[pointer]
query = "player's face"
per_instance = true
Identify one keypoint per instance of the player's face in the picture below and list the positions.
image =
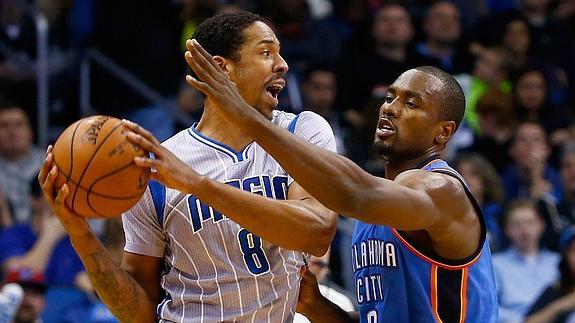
(408, 118)
(260, 70)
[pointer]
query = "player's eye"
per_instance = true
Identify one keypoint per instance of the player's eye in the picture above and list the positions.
(388, 99)
(266, 53)
(410, 104)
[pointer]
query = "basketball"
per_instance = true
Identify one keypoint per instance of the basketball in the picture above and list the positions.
(96, 160)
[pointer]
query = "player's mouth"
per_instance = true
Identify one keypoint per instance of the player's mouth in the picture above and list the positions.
(275, 87)
(385, 128)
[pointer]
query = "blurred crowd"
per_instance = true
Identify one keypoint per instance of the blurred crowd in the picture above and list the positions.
(515, 60)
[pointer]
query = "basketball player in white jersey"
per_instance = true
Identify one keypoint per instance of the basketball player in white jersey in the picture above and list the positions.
(219, 235)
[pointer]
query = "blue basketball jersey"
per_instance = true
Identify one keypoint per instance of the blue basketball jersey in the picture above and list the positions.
(396, 282)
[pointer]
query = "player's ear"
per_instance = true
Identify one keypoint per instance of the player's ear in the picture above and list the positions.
(445, 132)
(223, 63)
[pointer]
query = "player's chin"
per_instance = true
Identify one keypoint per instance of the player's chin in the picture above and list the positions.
(266, 107)
(382, 148)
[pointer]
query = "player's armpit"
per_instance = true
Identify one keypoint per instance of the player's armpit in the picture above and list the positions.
(453, 224)
(146, 271)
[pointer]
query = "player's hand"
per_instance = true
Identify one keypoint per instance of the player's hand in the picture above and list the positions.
(55, 197)
(308, 292)
(165, 167)
(216, 84)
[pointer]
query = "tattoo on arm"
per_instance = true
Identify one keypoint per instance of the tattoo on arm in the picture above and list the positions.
(117, 289)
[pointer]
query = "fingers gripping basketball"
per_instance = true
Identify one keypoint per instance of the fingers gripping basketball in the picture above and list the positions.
(95, 159)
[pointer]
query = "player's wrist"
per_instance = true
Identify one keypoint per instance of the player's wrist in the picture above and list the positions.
(194, 183)
(79, 231)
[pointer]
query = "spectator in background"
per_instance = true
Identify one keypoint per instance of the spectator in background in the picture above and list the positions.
(532, 105)
(516, 41)
(442, 29)
(517, 267)
(319, 89)
(19, 58)
(34, 300)
(556, 304)
(567, 206)
(19, 158)
(564, 214)
(17, 52)
(497, 123)
(371, 62)
(530, 175)
(560, 215)
(303, 38)
(489, 71)
(41, 245)
(485, 186)
(549, 37)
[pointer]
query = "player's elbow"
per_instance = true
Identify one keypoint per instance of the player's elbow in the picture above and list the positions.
(319, 239)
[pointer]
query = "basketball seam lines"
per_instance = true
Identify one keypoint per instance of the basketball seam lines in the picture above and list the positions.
(72, 150)
(89, 163)
(89, 190)
(68, 179)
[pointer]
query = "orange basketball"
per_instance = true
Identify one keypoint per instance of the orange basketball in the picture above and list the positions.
(96, 160)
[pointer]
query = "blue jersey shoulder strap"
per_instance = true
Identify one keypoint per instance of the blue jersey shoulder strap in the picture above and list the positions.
(291, 126)
(158, 192)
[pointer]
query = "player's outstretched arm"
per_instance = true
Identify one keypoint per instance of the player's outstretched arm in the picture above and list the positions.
(334, 180)
(316, 307)
(121, 293)
(416, 201)
(298, 223)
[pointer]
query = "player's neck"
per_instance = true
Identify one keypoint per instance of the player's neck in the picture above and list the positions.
(216, 128)
(395, 167)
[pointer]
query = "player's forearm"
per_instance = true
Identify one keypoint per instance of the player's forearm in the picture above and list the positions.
(289, 224)
(334, 180)
(123, 296)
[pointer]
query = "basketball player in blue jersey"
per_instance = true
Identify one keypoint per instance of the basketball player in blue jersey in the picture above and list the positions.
(220, 235)
(419, 252)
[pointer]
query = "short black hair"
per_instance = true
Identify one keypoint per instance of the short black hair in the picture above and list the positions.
(451, 97)
(223, 35)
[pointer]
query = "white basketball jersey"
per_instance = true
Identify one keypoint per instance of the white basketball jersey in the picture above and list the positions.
(215, 269)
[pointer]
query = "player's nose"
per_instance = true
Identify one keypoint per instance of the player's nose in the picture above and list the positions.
(390, 109)
(281, 66)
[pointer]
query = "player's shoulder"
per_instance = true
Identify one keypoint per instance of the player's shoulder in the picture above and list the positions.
(177, 139)
(430, 181)
(304, 119)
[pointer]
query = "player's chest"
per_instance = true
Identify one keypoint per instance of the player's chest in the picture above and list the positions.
(187, 210)
(223, 168)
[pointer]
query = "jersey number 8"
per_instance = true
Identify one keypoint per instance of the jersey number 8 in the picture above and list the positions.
(254, 256)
